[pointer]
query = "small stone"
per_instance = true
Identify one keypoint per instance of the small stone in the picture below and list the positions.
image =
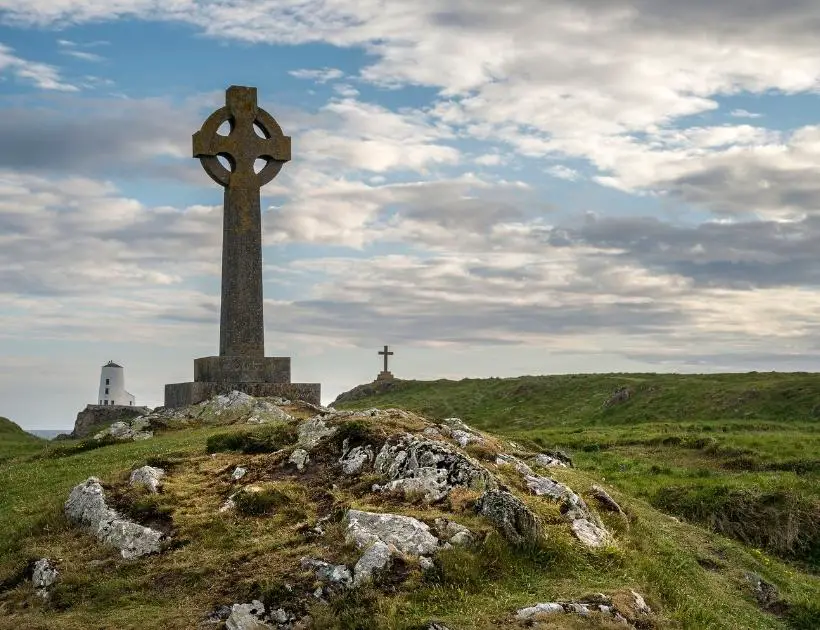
(549, 608)
(44, 575)
(336, 575)
(280, 616)
(548, 461)
(247, 617)
(356, 459)
(640, 604)
(426, 563)
(374, 559)
(148, 476)
(313, 431)
(238, 473)
(606, 501)
(299, 457)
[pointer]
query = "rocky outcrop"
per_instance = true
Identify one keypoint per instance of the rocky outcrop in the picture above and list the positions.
(131, 430)
(86, 507)
(432, 468)
(585, 524)
(44, 576)
(313, 431)
(594, 604)
(149, 477)
(511, 516)
(354, 460)
(454, 533)
(300, 457)
(247, 617)
(407, 534)
(376, 558)
(93, 417)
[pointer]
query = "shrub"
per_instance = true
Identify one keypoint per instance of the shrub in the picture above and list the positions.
(271, 439)
(262, 502)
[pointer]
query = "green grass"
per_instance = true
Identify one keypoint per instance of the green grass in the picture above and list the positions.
(738, 453)
(15, 442)
(696, 466)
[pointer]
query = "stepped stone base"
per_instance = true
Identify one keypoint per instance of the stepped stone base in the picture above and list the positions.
(385, 376)
(242, 369)
(184, 394)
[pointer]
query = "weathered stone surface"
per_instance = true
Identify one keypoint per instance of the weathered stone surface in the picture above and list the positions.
(86, 507)
(247, 617)
(548, 461)
(136, 429)
(421, 465)
(93, 416)
(313, 431)
(599, 604)
(374, 559)
(461, 432)
(606, 501)
(147, 476)
(509, 460)
(185, 394)
(509, 514)
(238, 473)
(640, 604)
(585, 524)
(300, 457)
(44, 575)
(409, 535)
(356, 459)
(230, 369)
(335, 577)
(452, 532)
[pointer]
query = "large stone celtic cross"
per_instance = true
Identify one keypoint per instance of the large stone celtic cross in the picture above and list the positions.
(241, 326)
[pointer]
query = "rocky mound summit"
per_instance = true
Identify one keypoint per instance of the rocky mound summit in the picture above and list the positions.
(294, 515)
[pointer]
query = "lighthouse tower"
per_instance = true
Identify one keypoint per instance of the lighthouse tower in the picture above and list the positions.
(112, 386)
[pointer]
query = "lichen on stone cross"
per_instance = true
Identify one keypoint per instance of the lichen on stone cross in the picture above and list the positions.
(241, 326)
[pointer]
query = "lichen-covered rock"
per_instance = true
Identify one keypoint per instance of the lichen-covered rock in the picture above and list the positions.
(606, 501)
(509, 514)
(247, 617)
(355, 460)
(409, 535)
(461, 432)
(502, 459)
(44, 576)
(136, 429)
(640, 604)
(600, 604)
(313, 431)
(585, 524)
(238, 473)
(300, 457)
(548, 461)
(147, 476)
(336, 576)
(86, 507)
(375, 558)
(454, 533)
(437, 465)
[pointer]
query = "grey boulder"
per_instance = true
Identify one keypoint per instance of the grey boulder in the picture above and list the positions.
(147, 476)
(407, 534)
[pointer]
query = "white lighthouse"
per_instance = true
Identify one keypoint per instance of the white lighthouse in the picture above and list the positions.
(112, 386)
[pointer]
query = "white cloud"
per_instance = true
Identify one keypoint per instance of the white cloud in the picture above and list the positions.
(742, 113)
(563, 172)
(319, 76)
(43, 76)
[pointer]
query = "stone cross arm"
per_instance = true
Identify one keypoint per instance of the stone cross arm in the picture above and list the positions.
(242, 146)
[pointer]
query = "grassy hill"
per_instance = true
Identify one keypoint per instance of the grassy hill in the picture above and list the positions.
(660, 462)
(14, 441)
(739, 453)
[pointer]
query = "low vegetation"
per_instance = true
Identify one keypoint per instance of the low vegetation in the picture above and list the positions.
(711, 495)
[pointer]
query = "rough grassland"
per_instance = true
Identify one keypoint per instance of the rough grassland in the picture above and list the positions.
(694, 577)
(14, 441)
(739, 453)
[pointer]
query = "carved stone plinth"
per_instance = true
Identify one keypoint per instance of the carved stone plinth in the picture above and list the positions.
(184, 394)
(242, 369)
(385, 376)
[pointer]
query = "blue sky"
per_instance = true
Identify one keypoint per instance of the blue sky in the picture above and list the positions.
(511, 188)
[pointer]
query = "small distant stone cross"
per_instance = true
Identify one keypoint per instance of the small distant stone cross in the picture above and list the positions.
(386, 354)
(241, 326)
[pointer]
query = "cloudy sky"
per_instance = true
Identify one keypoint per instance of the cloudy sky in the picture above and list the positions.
(492, 188)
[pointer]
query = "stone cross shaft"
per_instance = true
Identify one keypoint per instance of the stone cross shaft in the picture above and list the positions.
(386, 354)
(241, 325)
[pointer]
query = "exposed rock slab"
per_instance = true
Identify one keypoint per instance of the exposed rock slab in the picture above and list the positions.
(407, 534)
(86, 507)
(376, 558)
(511, 516)
(247, 617)
(416, 464)
(136, 429)
(313, 431)
(147, 476)
(356, 459)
